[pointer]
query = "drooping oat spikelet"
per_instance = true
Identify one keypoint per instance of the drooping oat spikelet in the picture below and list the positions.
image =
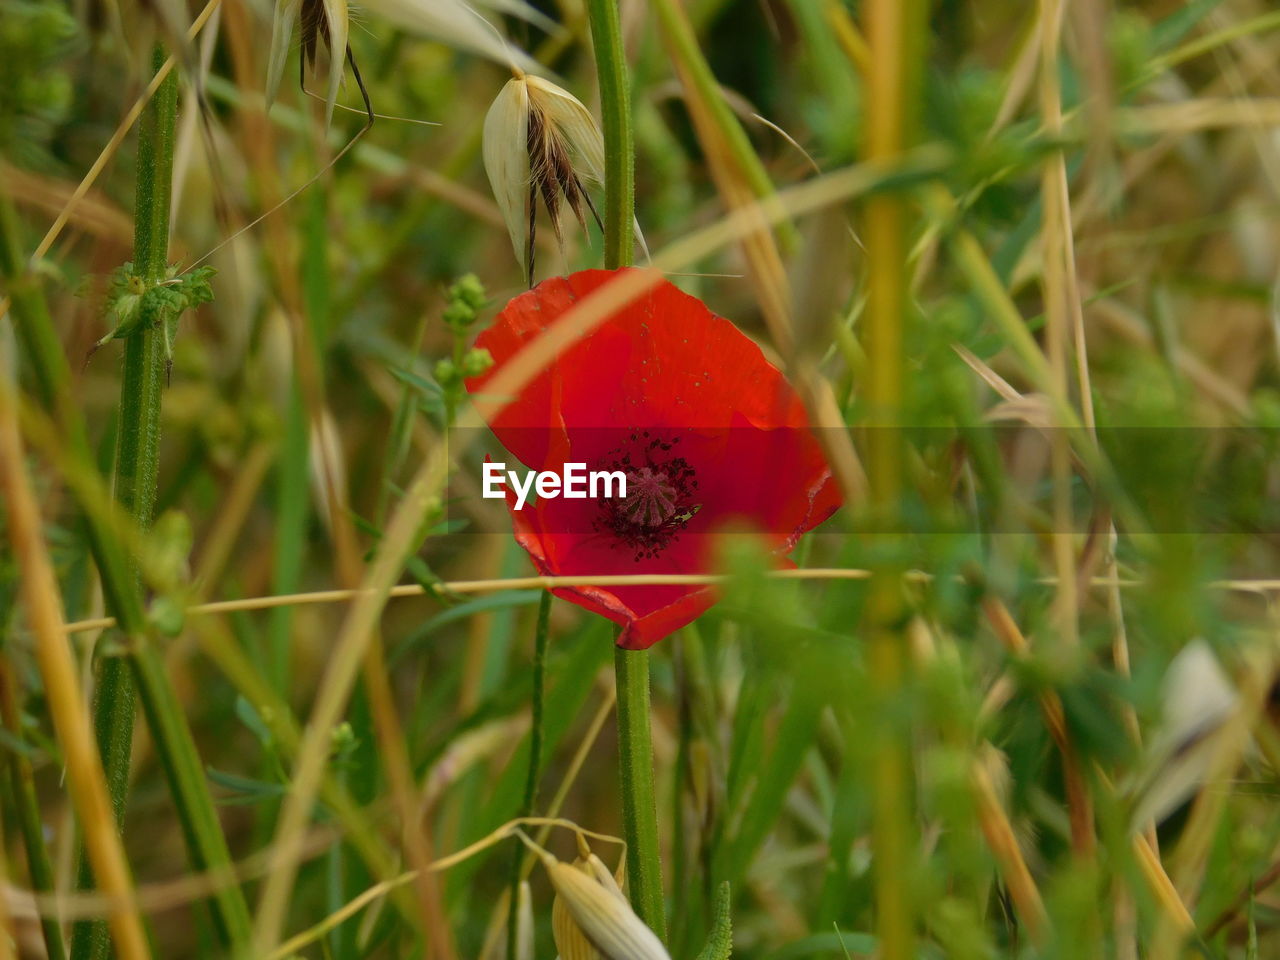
(322, 21)
(462, 26)
(540, 141)
(1198, 698)
(454, 22)
(570, 940)
(593, 901)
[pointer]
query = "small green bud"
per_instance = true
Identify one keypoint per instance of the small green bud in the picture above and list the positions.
(172, 539)
(476, 361)
(468, 290)
(343, 739)
(167, 615)
(446, 373)
(466, 297)
(459, 315)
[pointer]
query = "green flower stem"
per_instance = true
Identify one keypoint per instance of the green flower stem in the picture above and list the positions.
(639, 809)
(619, 140)
(137, 459)
(635, 750)
(536, 737)
(137, 456)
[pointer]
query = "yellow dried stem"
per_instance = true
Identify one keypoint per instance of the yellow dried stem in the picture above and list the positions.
(43, 603)
(1003, 843)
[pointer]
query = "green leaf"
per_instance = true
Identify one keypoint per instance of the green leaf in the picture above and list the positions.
(494, 601)
(244, 790)
(838, 943)
(133, 304)
(125, 291)
(1170, 31)
(720, 941)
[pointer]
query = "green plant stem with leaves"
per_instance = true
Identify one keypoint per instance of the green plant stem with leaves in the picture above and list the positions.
(631, 667)
(44, 355)
(146, 364)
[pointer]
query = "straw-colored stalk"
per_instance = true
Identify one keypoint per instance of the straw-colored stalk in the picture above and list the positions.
(895, 36)
(1003, 844)
(42, 600)
(1008, 632)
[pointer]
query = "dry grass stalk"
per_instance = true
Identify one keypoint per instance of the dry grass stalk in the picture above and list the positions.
(42, 601)
(1006, 629)
(1003, 843)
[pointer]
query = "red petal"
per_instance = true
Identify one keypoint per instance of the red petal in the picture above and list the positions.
(646, 613)
(664, 363)
(663, 360)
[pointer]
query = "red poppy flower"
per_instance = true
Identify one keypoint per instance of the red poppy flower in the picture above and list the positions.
(707, 432)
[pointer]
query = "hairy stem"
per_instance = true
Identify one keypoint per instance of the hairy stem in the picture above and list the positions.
(635, 751)
(137, 465)
(639, 808)
(619, 140)
(137, 455)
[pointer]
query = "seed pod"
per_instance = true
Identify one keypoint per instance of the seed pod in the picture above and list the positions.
(602, 913)
(570, 940)
(540, 141)
(324, 22)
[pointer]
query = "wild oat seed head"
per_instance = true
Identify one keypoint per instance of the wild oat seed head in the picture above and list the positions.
(456, 23)
(326, 21)
(569, 938)
(540, 141)
(463, 26)
(602, 913)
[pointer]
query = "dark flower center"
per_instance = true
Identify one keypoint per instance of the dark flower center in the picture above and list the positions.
(662, 495)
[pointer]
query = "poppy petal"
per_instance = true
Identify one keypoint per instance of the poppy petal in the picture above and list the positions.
(678, 399)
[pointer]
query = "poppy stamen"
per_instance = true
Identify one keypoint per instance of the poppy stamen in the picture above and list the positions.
(662, 496)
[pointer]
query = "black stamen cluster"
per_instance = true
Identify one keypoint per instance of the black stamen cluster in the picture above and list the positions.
(662, 495)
